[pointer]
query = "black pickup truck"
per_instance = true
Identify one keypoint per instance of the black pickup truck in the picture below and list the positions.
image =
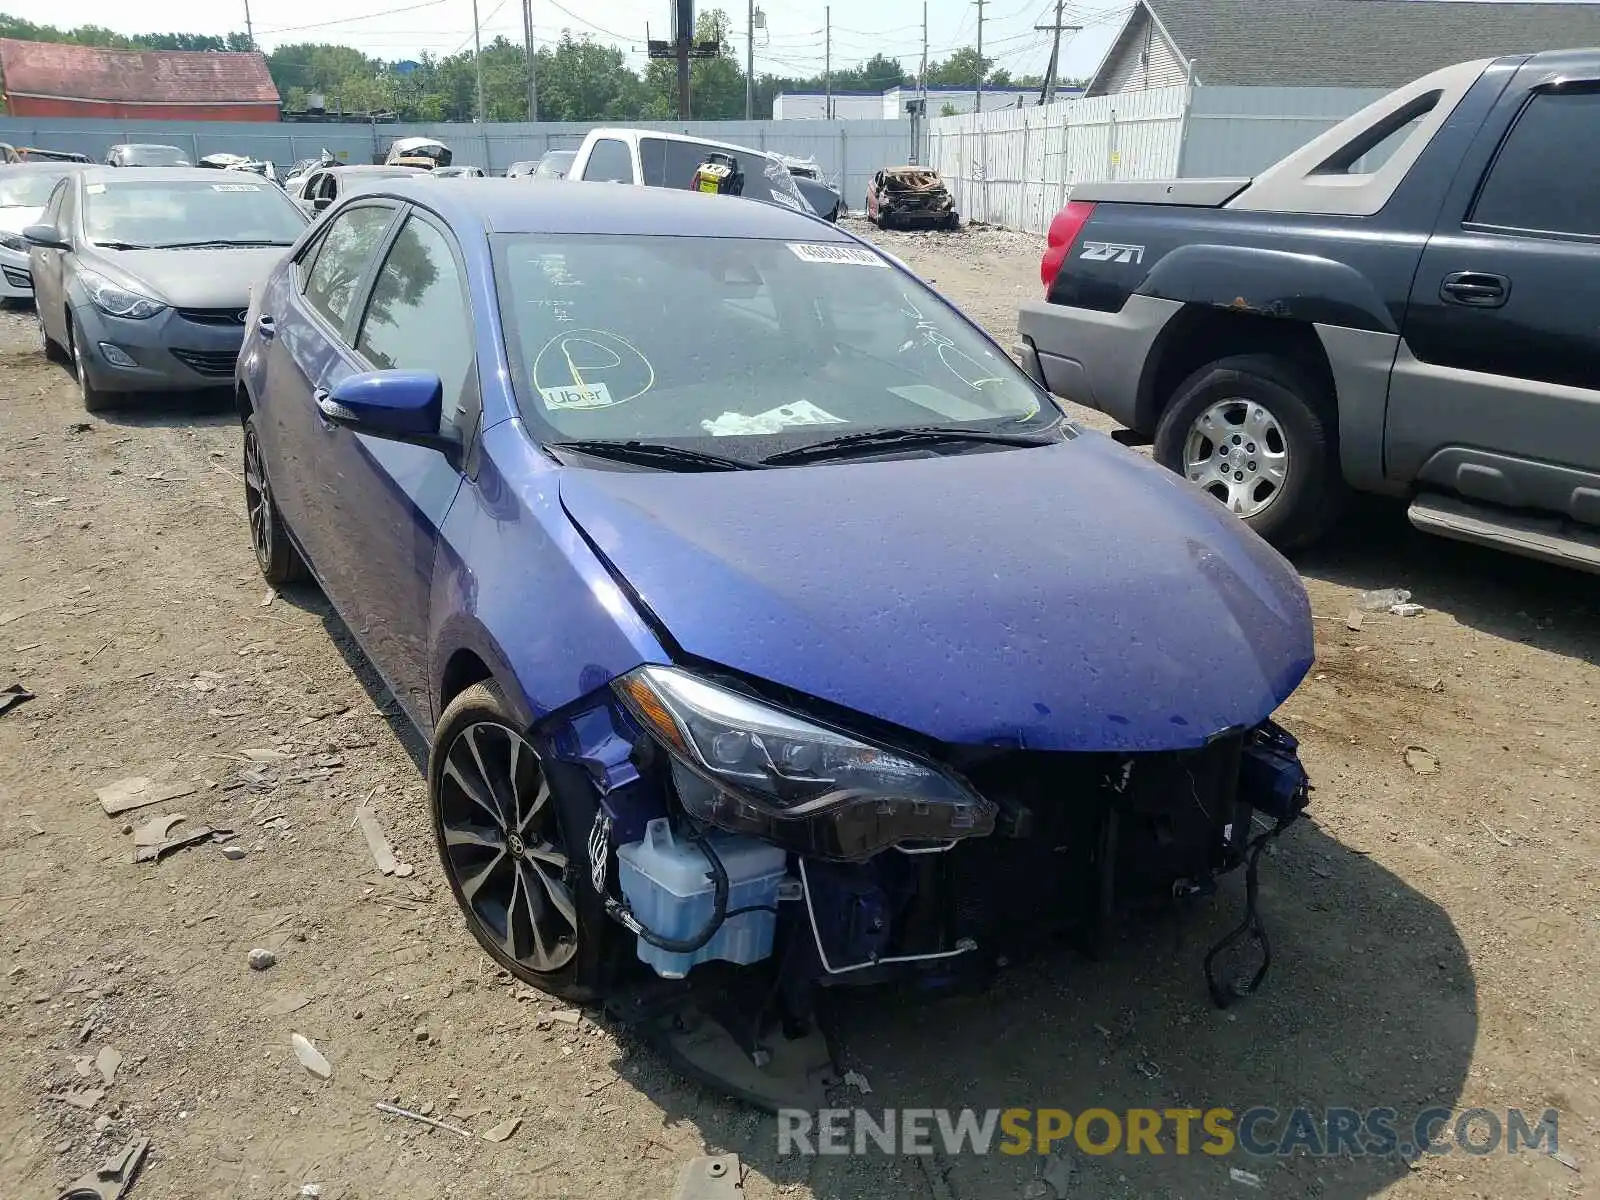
(1407, 305)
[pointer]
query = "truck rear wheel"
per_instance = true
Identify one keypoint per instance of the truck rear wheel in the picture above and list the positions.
(1253, 432)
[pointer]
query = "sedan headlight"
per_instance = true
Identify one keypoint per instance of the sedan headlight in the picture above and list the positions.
(743, 765)
(119, 301)
(12, 241)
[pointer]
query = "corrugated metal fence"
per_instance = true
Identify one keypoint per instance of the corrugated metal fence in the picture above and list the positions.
(1015, 167)
(847, 151)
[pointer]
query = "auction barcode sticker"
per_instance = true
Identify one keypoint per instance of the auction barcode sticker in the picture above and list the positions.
(235, 187)
(857, 256)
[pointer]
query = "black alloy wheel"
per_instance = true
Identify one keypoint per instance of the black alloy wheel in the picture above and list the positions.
(276, 555)
(513, 843)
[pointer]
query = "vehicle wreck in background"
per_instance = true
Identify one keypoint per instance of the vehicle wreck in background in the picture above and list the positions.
(908, 197)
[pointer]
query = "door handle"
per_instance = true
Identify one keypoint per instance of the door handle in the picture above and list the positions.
(267, 326)
(322, 398)
(1475, 289)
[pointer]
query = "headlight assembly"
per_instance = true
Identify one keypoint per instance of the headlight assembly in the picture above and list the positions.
(748, 767)
(12, 241)
(118, 301)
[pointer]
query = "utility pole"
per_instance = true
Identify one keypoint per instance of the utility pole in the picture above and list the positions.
(827, 57)
(249, 29)
(477, 59)
(528, 51)
(921, 123)
(683, 33)
(750, 64)
(977, 100)
(1054, 71)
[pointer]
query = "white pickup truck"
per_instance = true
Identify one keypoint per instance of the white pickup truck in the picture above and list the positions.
(652, 158)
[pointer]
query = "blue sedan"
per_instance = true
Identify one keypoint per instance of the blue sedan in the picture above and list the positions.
(764, 619)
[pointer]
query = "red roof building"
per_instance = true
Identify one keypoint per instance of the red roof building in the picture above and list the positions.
(58, 79)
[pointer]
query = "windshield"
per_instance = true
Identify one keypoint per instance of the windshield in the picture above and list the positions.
(742, 347)
(184, 212)
(27, 189)
(151, 156)
(555, 165)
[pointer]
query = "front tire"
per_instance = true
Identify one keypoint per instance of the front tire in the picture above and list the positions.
(94, 400)
(279, 561)
(48, 346)
(1254, 431)
(513, 840)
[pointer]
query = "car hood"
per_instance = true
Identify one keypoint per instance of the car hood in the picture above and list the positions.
(15, 220)
(194, 278)
(1071, 597)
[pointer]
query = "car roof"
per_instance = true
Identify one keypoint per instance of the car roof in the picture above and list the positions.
(669, 136)
(394, 170)
(567, 207)
(99, 174)
(57, 166)
(145, 146)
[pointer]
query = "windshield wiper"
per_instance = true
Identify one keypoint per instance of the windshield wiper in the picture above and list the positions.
(872, 440)
(653, 453)
(210, 242)
(121, 246)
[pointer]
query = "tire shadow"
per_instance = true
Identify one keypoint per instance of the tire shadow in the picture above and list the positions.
(1371, 1002)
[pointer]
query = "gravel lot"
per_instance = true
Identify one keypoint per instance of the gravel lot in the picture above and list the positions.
(1435, 934)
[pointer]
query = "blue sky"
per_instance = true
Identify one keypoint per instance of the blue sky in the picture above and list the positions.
(792, 42)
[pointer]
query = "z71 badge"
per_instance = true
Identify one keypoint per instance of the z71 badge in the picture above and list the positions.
(1111, 252)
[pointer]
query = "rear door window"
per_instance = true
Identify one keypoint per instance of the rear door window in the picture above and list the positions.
(347, 250)
(609, 162)
(1546, 177)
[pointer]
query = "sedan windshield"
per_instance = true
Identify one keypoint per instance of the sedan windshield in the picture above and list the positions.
(27, 189)
(555, 164)
(160, 212)
(744, 348)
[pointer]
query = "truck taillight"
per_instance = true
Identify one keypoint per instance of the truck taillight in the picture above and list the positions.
(1064, 231)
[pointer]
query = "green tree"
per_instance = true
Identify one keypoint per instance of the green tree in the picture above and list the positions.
(959, 70)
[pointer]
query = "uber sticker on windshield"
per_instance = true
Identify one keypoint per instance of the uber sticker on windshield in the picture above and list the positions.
(589, 395)
(856, 256)
(235, 187)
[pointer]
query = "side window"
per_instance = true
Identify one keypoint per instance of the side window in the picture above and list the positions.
(684, 159)
(346, 250)
(1546, 175)
(417, 318)
(52, 208)
(653, 161)
(609, 162)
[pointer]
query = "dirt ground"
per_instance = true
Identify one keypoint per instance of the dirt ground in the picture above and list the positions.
(1435, 935)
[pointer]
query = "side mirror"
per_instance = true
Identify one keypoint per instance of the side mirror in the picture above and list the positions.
(47, 237)
(401, 406)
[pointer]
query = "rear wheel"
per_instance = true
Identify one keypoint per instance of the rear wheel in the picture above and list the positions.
(513, 840)
(1252, 431)
(279, 561)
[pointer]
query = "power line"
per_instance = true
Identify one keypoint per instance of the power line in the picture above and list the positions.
(388, 12)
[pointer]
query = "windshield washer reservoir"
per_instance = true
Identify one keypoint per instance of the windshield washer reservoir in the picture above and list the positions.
(667, 885)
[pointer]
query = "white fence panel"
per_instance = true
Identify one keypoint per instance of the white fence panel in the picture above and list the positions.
(1015, 166)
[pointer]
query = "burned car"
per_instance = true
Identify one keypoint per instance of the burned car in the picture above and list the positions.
(909, 197)
(771, 631)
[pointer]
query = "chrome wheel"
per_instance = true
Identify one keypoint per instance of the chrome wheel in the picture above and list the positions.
(258, 501)
(1236, 451)
(502, 843)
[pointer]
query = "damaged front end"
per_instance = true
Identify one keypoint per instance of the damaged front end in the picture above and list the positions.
(757, 854)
